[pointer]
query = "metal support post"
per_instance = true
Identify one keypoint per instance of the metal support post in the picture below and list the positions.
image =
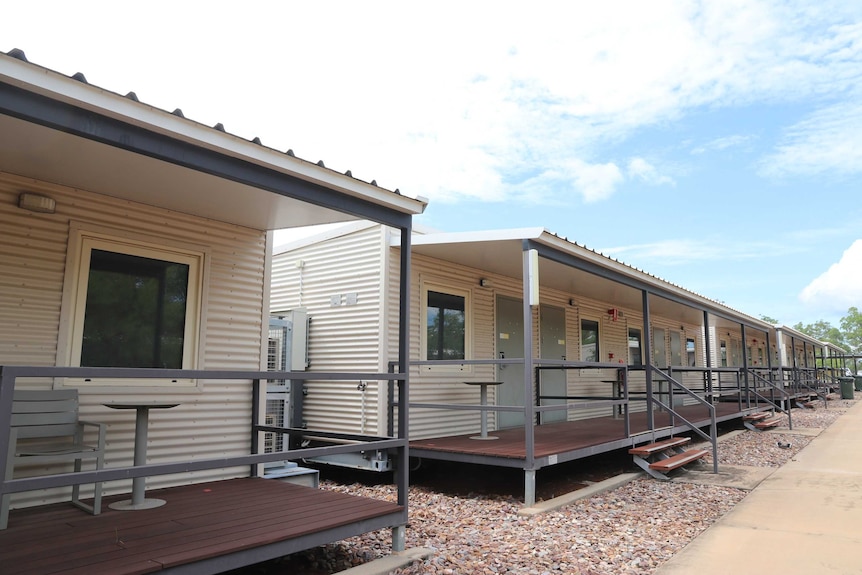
(529, 487)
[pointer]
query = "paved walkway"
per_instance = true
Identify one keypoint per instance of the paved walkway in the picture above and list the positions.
(805, 518)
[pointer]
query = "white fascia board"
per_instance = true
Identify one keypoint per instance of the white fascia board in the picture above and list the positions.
(54, 85)
(475, 237)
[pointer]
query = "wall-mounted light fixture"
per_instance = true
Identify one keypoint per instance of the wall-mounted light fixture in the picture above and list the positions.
(484, 283)
(36, 203)
(572, 302)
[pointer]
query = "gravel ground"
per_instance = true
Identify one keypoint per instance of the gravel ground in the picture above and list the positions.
(630, 530)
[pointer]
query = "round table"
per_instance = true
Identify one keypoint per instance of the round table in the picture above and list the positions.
(483, 400)
(139, 484)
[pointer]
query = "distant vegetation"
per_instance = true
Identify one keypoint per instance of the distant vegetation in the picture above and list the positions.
(848, 336)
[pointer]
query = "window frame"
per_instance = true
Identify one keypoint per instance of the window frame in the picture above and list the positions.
(675, 339)
(598, 324)
(659, 344)
(82, 241)
(639, 347)
(692, 355)
(466, 293)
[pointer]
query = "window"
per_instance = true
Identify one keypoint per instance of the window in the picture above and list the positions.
(135, 305)
(675, 348)
(135, 312)
(735, 352)
(659, 348)
(723, 348)
(589, 340)
(446, 335)
(690, 349)
(635, 347)
(446, 325)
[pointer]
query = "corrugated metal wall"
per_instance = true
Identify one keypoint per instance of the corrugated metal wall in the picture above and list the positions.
(354, 263)
(339, 282)
(211, 422)
(429, 386)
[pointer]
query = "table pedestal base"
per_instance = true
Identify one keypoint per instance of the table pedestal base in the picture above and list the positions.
(128, 505)
(484, 437)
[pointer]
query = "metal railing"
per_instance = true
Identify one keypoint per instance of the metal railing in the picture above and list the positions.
(677, 388)
(343, 442)
(774, 390)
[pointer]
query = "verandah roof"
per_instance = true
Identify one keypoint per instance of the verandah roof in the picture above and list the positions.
(63, 130)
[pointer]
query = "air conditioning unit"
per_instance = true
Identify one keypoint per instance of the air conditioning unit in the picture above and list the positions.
(287, 350)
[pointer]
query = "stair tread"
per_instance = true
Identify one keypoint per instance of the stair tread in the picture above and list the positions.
(678, 461)
(755, 416)
(659, 446)
(767, 423)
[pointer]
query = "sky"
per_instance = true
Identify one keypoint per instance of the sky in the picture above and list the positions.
(716, 145)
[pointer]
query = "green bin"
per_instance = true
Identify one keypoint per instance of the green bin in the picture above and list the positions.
(846, 387)
(858, 379)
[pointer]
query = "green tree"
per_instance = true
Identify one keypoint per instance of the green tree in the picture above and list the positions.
(823, 331)
(768, 319)
(851, 326)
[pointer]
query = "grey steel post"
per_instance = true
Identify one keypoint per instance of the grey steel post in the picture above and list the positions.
(255, 421)
(647, 357)
(403, 466)
(529, 407)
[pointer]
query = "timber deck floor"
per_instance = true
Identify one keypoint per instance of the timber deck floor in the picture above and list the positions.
(203, 528)
(562, 437)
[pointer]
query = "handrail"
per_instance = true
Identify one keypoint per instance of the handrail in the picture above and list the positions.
(786, 396)
(712, 438)
(9, 374)
(797, 381)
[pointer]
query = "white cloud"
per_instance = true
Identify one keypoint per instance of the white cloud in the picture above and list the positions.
(720, 144)
(640, 169)
(682, 251)
(458, 99)
(669, 252)
(830, 140)
(592, 182)
(839, 287)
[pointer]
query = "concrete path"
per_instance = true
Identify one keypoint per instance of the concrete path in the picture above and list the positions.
(805, 518)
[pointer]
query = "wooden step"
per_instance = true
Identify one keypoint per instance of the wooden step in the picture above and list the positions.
(767, 424)
(755, 416)
(677, 461)
(659, 446)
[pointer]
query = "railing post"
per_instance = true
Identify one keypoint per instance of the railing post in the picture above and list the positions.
(647, 359)
(255, 421)
(7, 390)
(390, 403)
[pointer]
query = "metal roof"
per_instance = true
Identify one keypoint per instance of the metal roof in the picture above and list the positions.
(64, 130)
(597, 276)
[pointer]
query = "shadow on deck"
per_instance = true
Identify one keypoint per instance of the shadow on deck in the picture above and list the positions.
(203, 528)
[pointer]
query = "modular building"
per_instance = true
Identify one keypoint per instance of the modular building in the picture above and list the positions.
(521, 344)
(135, 262)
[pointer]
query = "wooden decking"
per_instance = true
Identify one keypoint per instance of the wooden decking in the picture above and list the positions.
(562, 441)
(203, 528)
